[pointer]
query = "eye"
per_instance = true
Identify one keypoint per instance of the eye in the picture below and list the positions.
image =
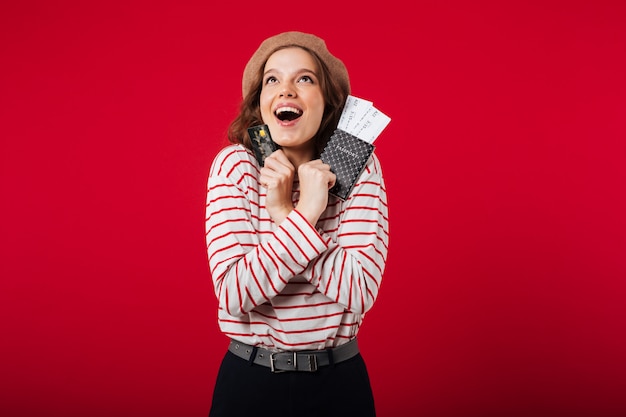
(306, 79)
(270, 80)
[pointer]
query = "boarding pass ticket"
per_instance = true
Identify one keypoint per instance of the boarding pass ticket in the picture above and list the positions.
(361, 119)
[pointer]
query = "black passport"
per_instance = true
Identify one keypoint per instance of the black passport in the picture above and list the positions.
(347, 156)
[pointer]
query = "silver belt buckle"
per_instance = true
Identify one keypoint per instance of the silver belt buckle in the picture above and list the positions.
(273, 363)
(311, 362)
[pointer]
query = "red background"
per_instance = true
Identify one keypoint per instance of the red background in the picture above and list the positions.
(505, 163)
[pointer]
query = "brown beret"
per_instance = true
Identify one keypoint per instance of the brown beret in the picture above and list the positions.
(337, 69)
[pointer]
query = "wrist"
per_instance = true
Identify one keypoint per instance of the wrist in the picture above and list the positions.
(279, 215)
(309, 215)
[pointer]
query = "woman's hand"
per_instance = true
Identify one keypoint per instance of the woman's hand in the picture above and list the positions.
(277, 177)
(316, 179)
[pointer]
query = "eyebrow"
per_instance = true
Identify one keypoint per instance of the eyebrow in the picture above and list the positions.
(299, 71)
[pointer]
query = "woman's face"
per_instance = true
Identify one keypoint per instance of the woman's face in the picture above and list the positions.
(292, 103)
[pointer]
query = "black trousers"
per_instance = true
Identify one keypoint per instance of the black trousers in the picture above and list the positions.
(243, 389)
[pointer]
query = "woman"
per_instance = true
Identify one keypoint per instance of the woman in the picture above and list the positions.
(295, 269)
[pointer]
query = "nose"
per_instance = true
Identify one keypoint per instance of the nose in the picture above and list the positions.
(287, 91)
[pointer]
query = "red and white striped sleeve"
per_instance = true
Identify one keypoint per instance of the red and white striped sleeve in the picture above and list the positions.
(351, 270)
(250, 262)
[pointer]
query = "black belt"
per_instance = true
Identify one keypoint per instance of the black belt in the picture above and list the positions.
(303, 360)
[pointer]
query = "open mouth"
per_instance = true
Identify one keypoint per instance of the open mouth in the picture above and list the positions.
(287, 114)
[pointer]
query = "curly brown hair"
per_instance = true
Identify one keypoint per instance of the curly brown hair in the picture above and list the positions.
(250, 112)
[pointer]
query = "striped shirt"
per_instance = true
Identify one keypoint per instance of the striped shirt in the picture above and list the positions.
(293, 286)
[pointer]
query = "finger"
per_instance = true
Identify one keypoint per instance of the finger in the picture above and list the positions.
(279, 156)
(279, 165)
(321, 166)
(332, 180)
(267, 180)
(267, 176)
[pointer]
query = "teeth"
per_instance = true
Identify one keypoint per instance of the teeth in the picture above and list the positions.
(289, 109)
